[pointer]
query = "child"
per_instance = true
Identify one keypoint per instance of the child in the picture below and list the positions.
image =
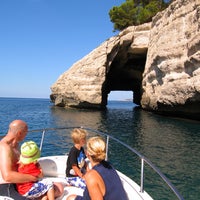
(28, 164)
(76, 165)
(103, 181)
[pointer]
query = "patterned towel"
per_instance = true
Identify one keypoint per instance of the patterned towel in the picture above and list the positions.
(76, 181)
(39, 188)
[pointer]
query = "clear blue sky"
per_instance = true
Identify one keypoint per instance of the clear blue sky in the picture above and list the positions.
(41, 39)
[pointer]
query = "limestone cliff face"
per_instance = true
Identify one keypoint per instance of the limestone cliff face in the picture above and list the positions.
(158, 61)
(88, 82)
(171, 80)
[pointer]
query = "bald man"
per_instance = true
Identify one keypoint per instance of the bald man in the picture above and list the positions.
(9, 155)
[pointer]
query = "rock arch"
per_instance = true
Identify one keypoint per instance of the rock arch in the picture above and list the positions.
(117, 64)
(166, 80)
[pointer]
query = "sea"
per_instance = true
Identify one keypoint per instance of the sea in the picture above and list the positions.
(171, 144)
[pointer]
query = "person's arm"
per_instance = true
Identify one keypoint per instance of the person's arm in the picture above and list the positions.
(95, 185)
(41, 175)
(77, 171)
(6, 168)
(72, 158)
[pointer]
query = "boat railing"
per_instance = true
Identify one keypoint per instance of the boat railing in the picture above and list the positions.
(142, 158)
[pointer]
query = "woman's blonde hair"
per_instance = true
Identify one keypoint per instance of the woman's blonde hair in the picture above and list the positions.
(78, 134)
(96, 148)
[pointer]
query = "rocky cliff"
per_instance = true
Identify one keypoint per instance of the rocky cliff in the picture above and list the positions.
(117, 64)
(171, 80)
(158, 61)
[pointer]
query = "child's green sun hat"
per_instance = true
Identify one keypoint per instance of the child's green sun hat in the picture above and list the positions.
(29, 152)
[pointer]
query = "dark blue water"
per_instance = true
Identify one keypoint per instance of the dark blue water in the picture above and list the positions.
(171, 144)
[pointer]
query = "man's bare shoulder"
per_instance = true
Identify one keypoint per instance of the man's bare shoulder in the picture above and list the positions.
(4, 146)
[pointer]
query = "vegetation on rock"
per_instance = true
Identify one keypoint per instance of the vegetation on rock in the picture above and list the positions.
(135, 12)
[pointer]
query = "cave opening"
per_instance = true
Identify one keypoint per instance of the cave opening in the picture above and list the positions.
(120, 96)
(125, 76)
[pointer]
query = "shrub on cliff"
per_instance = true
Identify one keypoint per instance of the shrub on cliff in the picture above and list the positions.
(135, 12)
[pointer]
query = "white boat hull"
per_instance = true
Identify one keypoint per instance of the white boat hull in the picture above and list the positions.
(54, 168)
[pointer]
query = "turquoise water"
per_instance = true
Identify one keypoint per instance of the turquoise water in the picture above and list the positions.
(171, 144)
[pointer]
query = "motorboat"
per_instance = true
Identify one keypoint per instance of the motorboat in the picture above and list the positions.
(54, 167)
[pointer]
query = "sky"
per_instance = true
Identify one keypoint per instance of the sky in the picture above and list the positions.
(41, 39)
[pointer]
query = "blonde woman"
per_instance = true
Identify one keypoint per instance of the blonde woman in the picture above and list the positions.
(102, 181)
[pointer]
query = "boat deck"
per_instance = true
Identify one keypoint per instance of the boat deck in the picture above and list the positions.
(54, 168)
